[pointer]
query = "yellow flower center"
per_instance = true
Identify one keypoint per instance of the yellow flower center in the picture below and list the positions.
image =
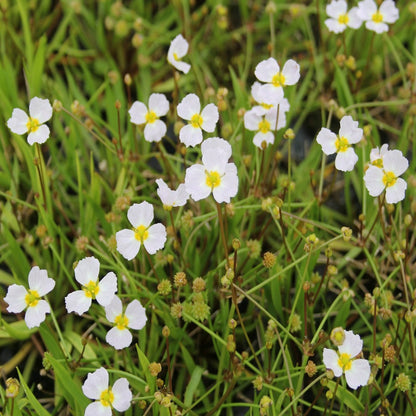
(264, 126)
(175, 56)
(343, 19)
(121, 321)
(278, 80)
(267, 106)
(344, 361)
(342, 144)
(389, 179)
(107, 397)
(151, 117)
(378, 163)
(32, 298)
(196, 120)
(213, 179)
(377, 17)
(91, 289)
(141, 233)
(32, 125)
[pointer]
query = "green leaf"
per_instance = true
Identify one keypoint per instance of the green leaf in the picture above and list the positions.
(193, 385)
(346, 397)
(16, 330)
(70, 386)
(39, 409)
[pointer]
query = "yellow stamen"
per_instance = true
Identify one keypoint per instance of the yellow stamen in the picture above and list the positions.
(377, 17)
(378, 163)
(344, 361)
(213, 179)
(278, 80)
(151, 117)
(196, 120)
(121, 321)
(342, 144)
(267, 106)
(107, 397)
(91, 289)
(389, 179)
(32, 298)
(264, 126)
(175, 56)
(32, 125)
(141, 233)
(343, 19)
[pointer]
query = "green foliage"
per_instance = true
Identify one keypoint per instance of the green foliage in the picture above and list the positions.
(260, 319)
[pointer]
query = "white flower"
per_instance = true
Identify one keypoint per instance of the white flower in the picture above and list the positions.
(96, 387)
(169, 197)
(377, 154)
(178, 49)
(20, 299)
(269, 71)
(134, 317)
(262, 119)
(357, 371)
(340, 19)
(155, 129)
(153, 237)
(376, 19)
(86, 273)
(40, 111)
(386, 177)
(190, 109)
(349, 133)
(215, 174)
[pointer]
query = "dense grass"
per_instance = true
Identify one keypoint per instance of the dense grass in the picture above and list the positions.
(252, 331)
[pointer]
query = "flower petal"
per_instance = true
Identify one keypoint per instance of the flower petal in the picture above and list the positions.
(291, 72)
(15, 297)
(156, 239)
(260, 137)
(334, 26)
(266, 70)
(336, 8)
(251, 120)
(122, 395)
(350, 130)
(228, 187)
(138, 113)
(358, 374)
(195, 182)
(39, 136)
(40, 109)
(127, 244)
(330, 359)
(95, 383)
(352, 345)
(35, 315)
(97, 409)
(17, 123)
(119, 338)
(39, 281)
(154, 132)
(394, 161)
(189, 106)
(190, 136)
(271, 95)
(345, 161)
(136, 315)
(113, 309)
(77, 302)
(373, 179)
(396, 192)
(159, 104)
(87, 270)
(326, 138)
(140, 214)
(210, 117)
(107, 289)
(389, 11)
